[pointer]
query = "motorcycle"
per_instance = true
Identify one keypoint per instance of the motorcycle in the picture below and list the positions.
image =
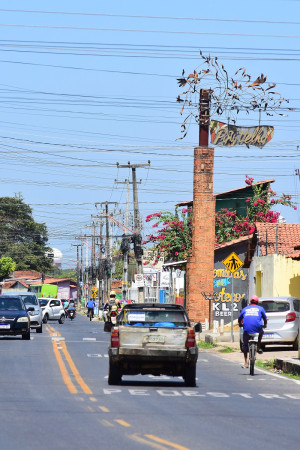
(111, 318)
(72, 314)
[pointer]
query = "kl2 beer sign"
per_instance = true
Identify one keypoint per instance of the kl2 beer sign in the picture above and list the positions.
(226, 135)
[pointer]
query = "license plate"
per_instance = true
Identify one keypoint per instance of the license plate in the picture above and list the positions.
(4, 327)
(268, 335)
(154, 338)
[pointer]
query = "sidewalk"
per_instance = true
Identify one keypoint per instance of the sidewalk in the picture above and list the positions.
(284, 357)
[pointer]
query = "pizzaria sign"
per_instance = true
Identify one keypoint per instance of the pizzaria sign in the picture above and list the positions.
(225, 135)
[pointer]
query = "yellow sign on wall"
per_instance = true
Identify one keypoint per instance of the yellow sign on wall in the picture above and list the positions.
(232, 262)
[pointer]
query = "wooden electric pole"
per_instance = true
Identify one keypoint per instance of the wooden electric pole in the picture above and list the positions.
(78, 273)
(107, 278)
(138, 251)
(125, 246)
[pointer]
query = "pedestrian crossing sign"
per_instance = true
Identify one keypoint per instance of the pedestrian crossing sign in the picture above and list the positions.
(232, 262)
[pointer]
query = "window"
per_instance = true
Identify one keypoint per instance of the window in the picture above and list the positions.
(297, 305)
(155, 318)
(271, 306)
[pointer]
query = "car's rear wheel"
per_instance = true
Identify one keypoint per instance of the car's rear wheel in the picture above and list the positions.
(114, 374)
(39, 329)
(26, 336)
(296, 343)
(45, 319)
(190, 376)
(62, 319)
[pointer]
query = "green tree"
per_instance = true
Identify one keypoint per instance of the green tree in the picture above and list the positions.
(21, 238)
(118, 272)
(7, 265)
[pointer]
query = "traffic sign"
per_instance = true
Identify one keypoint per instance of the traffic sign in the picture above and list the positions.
(232, 262)
(94, 289)
(94, 295)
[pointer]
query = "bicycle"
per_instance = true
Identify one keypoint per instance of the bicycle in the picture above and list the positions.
(90, 313)
(252, 346)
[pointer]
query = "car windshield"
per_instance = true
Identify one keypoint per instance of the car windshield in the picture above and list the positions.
(272, 306)
(43, 301)
(29, 299)
(11, 304)
(153, 317)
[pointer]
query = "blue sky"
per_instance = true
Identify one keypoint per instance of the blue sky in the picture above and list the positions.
(87, 85)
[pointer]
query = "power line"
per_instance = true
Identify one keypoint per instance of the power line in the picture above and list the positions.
(133, 30)
(194, 19)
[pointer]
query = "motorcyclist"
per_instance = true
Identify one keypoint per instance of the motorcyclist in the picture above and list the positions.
(66, 306)
(253, 319)
(105, 310)
(71, 307)
(90, 306)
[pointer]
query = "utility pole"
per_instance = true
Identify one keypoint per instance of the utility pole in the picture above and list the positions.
(77, 273)
(125, 246)
(93, 255)
(85, 280)
(107, 279)
(137, 224)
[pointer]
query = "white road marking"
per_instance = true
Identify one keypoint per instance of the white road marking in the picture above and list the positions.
(89, 339)
(58, 338)
(94, 355)
(196, 393)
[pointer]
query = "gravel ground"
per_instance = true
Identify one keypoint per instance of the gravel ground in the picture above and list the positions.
(270, 353)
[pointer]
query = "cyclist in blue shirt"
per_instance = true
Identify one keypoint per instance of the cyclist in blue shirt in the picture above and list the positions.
(253, 319)
(90, 306)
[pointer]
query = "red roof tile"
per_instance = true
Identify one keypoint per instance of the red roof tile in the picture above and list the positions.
(10, 284)
(282, 238)
(26, 274)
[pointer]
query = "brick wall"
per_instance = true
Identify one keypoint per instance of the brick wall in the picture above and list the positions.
(201, 264)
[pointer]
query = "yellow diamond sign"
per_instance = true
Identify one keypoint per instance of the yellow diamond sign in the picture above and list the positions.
(232, 262)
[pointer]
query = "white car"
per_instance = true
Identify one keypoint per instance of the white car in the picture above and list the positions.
(283, 321)
(52, 309)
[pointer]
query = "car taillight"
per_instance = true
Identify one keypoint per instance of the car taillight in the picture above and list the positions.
(191, 339)
(290, 317)
(114, 337)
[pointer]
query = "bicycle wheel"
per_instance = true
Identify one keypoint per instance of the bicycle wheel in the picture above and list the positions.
(252, 354)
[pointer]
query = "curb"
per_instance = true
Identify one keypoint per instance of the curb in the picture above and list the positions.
(288, 365)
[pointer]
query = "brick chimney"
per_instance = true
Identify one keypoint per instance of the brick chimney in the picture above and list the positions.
(200, 265)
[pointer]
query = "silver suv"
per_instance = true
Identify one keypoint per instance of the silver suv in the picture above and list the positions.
(283, 320)
(30, 300)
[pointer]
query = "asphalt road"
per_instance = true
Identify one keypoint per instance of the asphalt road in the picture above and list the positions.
(54, 395)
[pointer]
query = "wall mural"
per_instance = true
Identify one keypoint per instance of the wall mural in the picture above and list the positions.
(223, 292)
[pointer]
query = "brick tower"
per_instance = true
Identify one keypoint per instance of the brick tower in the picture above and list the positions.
(201, 264)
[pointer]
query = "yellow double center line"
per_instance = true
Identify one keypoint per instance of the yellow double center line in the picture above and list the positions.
(62, 366)
(59, 348)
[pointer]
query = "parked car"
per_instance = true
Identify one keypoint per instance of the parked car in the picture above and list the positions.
(35, 314)
(14, 317)
(283, 321)
(52, 309)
